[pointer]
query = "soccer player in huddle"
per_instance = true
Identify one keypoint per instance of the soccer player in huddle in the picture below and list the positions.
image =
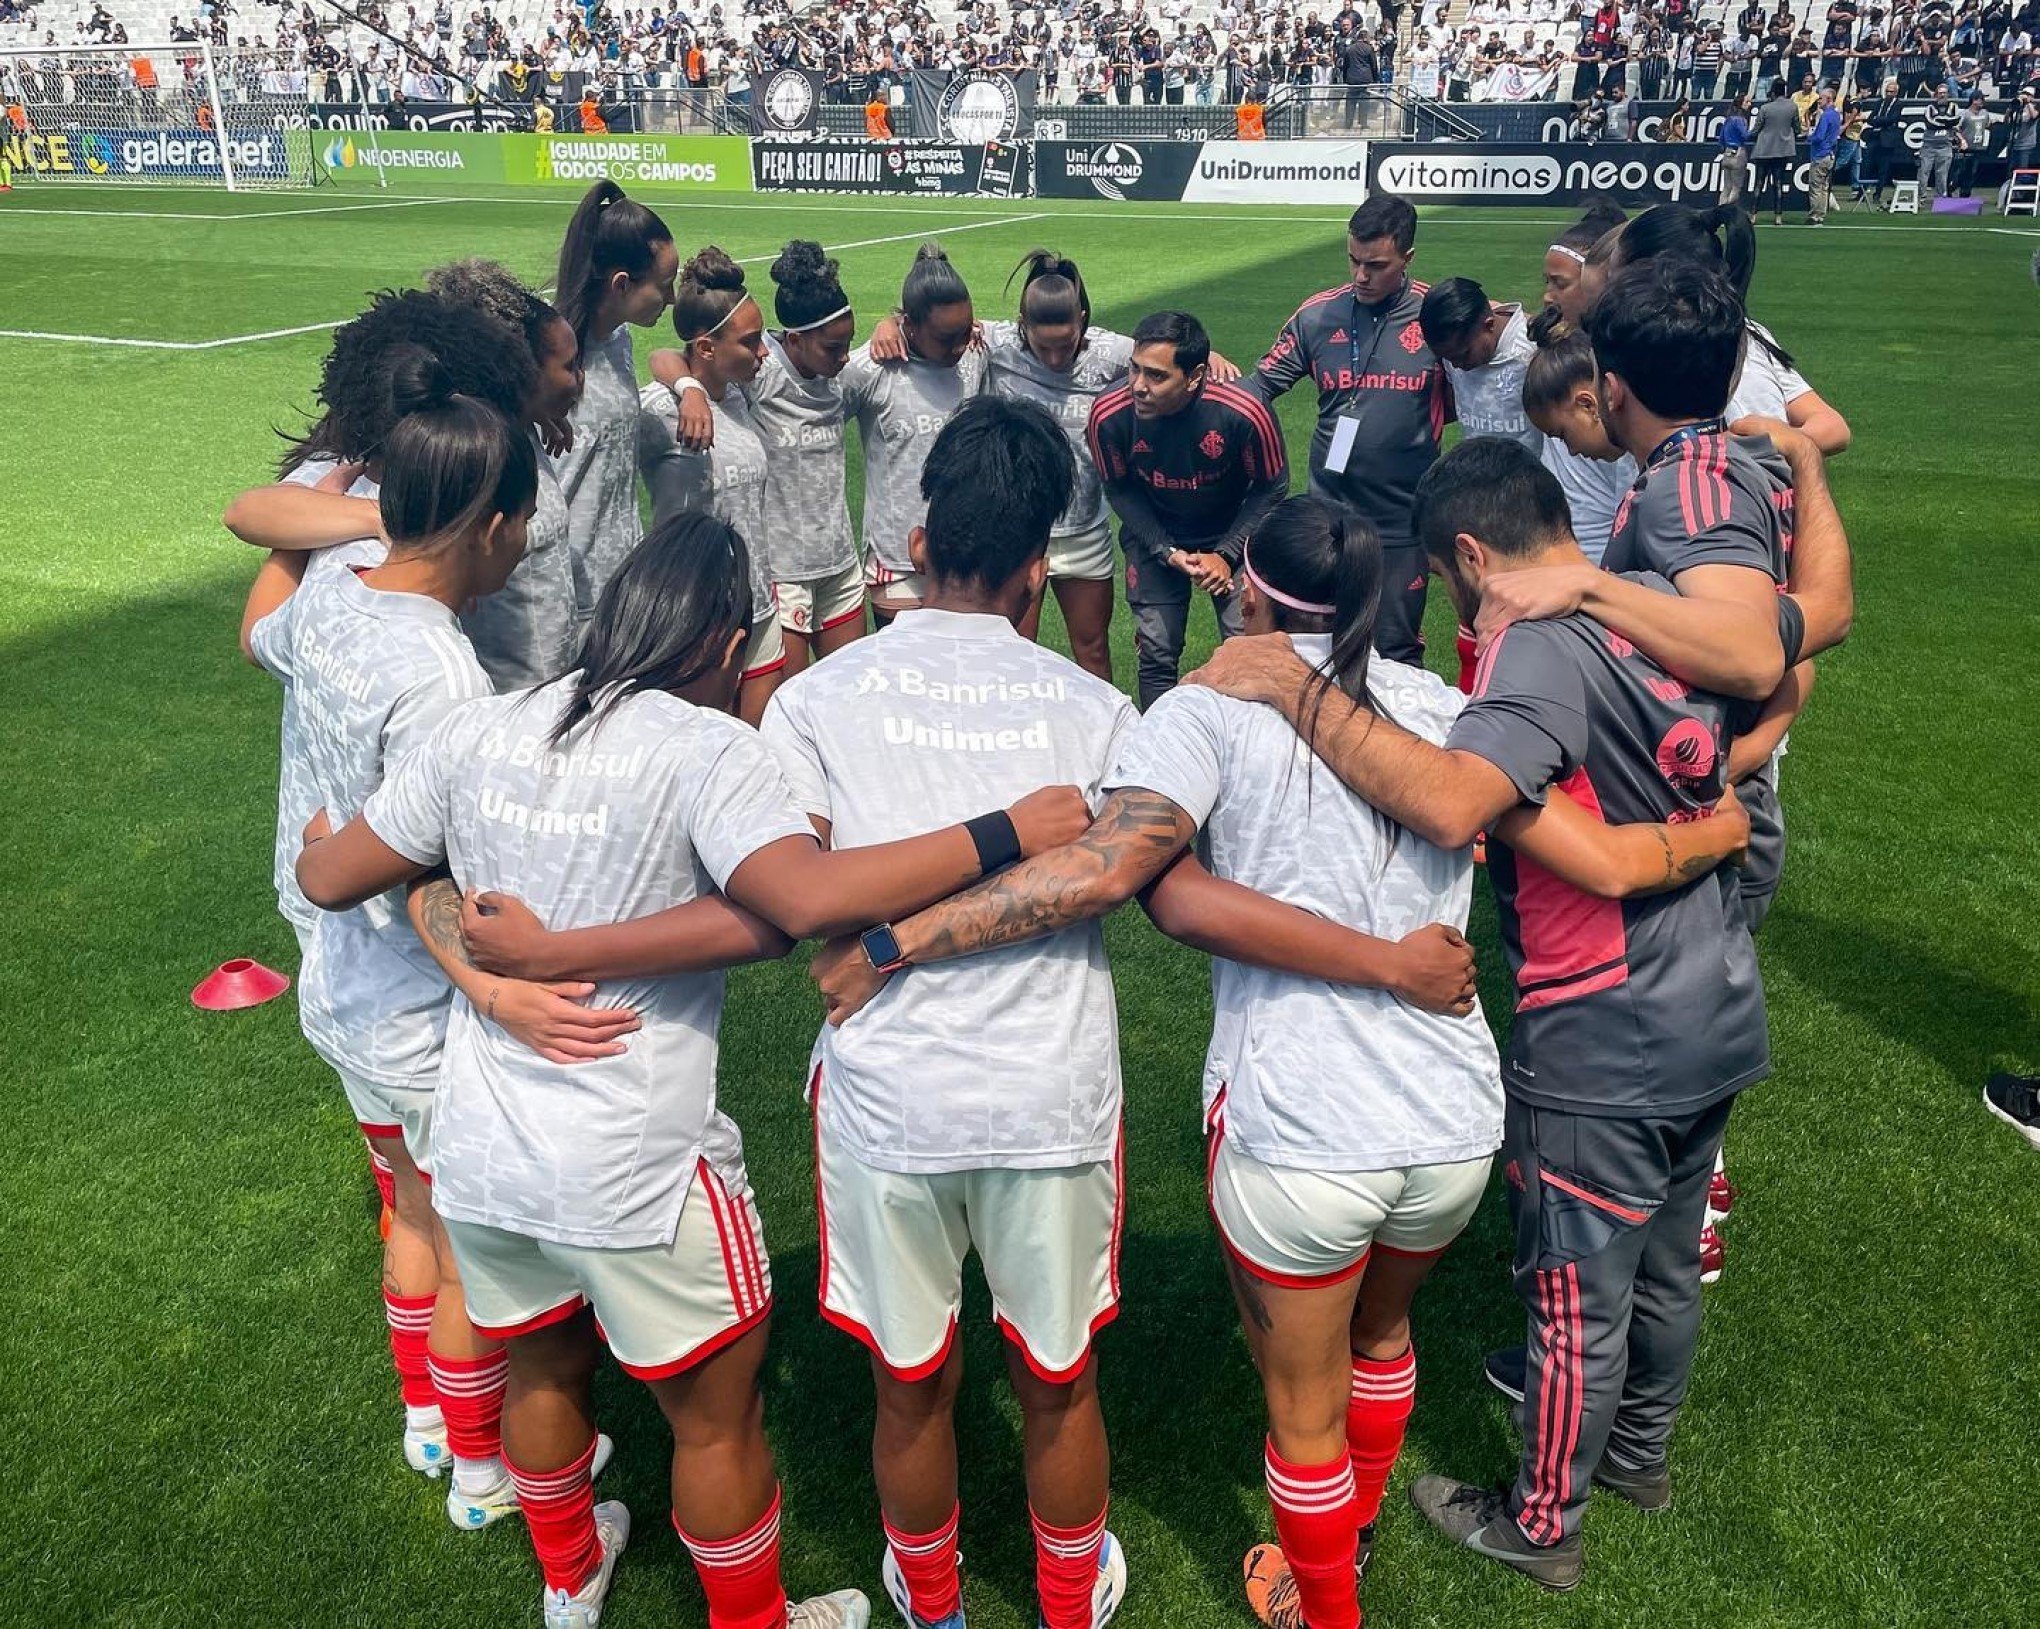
(618, 820)
(1190, 466)
(1637, 1021)
(1382, 400)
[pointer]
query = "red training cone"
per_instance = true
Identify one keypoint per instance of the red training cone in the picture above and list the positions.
(238, 983)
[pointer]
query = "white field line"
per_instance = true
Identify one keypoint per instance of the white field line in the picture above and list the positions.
(321, 327)
(221, 215)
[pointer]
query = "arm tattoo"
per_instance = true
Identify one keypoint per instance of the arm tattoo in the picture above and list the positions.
(439, 911)
(1665, 843)
(1135, 835)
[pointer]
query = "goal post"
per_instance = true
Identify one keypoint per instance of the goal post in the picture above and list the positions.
(179, 113)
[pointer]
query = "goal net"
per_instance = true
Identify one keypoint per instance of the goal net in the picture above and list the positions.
(186, 113)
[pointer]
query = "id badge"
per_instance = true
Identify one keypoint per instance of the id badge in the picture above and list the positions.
(1340, 453)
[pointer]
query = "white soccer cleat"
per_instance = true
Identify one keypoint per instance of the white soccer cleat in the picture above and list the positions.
(895, 1583)
(471, 1512)
(843, 1609)
(1110, 1589)
(583, 1609)
(425, 1449)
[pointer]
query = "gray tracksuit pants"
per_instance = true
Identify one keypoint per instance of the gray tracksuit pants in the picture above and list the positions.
(1608, 1216)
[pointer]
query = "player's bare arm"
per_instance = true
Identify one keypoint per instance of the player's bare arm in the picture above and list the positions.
(504, 935)
(285, 515)
(695, 430)
(1626, 861)
(1822, 580)
(1750, 752)
(337, 870)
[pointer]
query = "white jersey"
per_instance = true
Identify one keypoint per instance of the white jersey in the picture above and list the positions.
(372, 673)
(598, 474)
(807, 514)
(1318, 1076)
(1489, 399)
(525, 632)
(655, 806)
(727, 481)
(900, 409)
(1009, 1057)
(1765, 385)
(1012, 371)
(1594, 490)
(297, 792)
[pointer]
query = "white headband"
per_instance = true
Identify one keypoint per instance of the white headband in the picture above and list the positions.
(1568, 251)
(820, 322)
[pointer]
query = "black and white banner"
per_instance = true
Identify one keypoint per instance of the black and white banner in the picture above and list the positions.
(972, 109)
(1567, 175)
(406, 116)
(787, 102)
(950, 169)
(1229, 172)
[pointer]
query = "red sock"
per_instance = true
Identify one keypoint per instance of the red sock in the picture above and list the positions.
(740, 1576)
(471, 1401)
(928, 1563)
(559, 1511)
(385, 1180)
(1469, 659)
(410, 1317)
(1066, 1570)
(1384, 1392)
(1314, 1519)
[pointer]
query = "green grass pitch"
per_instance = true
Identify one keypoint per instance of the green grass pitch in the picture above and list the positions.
(200, 1422)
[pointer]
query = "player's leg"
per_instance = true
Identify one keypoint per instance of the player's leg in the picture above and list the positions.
(1086, 605)
(1049, 1241)
(891, 592)
(838, 610)
(892, 1276)
(1399, 629)
(410, 1278)
(764, 666)
(1664, 1322)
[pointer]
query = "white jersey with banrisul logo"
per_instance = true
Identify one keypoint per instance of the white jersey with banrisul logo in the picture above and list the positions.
(373, 673)
(1489, 398)
(900, 410)
(1320, 1076)
(807, 515)
(654, 806)
(598, 474)
(727, 481)
(1009, 1057)
(1013, 371)
(525, 632)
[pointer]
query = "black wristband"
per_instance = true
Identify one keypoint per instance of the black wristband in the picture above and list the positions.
(997, 840)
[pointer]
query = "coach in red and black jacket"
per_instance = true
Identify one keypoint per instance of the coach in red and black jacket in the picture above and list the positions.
(1190, 466)
(1383, 402)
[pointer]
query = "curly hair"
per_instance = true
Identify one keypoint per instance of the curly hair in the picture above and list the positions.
(493, 288)
(356, 393)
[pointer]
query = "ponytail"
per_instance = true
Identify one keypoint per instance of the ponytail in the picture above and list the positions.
(664, 620)
(931, 282)
(451, 461)
(609, 233)
(1053, 290)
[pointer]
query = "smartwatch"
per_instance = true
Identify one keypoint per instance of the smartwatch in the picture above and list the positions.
(882, 948)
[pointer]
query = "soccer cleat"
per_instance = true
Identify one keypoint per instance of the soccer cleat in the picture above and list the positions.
(1110, 1589)
(583, 1608)
(1508, 1371)
(1648, 1487)
(471, 1512)
(425, 1449)
(896, 1591)
(1721, 1197)
(1478, 1519)
(842, 1609)
(1271, 1589)
(2015, 1099)
(1365, 1553)
(1713, 1255)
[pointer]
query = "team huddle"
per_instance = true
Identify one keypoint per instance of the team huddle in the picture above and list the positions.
(547, 772)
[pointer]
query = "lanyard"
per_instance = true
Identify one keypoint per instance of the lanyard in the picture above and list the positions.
(1353, 359)
(1678, 438)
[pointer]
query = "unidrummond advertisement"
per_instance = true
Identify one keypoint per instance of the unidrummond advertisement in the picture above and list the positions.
(1214, 172)
(692, 163)
(1567, 175)
(115, 155)
(922, 168)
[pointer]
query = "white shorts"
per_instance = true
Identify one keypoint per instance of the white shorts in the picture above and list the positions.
(818, 603)
(1087, 555)
(393, 1111)
(893, 1248)
(662, 1308)
(1309, 1230)
(765, 650)
(889, 588)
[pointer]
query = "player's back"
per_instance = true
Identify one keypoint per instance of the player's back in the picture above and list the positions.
(1706, 497)
(1011, 1054)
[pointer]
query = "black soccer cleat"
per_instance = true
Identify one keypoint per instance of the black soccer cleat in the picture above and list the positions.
(1478, 1519)
(2015, 1099)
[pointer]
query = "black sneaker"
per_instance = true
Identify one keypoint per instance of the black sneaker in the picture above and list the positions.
(1508, 1371)
(2015, 1099)
(1478, 1519)
(1648, 1487)
(1365, 1552)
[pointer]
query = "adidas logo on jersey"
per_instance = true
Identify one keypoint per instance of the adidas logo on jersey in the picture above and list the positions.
(1142, 447)
(1340, 337)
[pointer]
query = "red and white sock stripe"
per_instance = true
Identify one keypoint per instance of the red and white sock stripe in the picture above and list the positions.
(1388, 1382)
(409, 1314)
(463, 1378)
(1319, 1492)
(738, 1552)
(907, 1545)
(1069, 1543)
